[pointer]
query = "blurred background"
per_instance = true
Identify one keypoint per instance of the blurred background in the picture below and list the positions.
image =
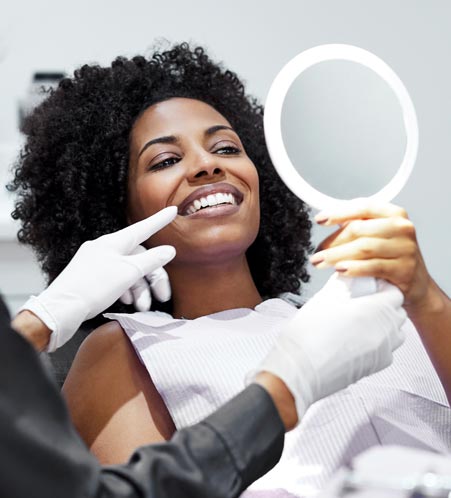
(255, 38)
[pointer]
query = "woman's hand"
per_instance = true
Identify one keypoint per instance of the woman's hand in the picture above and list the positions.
(379, 240)
(376, 240)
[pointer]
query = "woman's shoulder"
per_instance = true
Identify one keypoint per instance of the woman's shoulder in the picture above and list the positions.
(101, 367)
(110, 394)
(108, 338)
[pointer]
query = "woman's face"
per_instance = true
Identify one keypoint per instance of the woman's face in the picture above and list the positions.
(184, 153)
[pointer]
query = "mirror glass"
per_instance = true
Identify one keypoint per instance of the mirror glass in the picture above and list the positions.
(343, 129)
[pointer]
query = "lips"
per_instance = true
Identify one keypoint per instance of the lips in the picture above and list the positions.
(218, 194)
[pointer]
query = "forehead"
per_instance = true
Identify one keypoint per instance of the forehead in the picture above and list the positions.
(177, 116)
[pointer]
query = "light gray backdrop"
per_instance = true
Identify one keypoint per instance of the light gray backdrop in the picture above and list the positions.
(254, 38)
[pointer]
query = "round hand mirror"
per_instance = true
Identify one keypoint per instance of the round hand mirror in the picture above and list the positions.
(339, 125)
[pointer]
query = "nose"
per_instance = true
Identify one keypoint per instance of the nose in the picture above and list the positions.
(204, 167)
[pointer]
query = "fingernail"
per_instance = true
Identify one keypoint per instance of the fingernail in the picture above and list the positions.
(316, 259)
(341, 268)
(321, 218)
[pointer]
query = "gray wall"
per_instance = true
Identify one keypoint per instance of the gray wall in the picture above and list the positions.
(255, 38)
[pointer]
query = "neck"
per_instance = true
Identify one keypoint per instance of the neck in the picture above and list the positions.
(201, 290)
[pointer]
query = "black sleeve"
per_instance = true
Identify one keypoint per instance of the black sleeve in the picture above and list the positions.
(41, 454)
(219, 457)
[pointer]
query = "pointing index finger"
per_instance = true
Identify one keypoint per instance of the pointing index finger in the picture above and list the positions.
(127, 239)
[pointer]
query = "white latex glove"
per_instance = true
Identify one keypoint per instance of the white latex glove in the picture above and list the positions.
(154, 284)
(335, 339)
(99, 273)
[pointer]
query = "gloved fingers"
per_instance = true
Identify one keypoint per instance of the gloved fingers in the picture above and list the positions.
(142, 298)
(400, 335)
(336, 288)
(158, 280)
(127, 297)
(151, 259)
(128, 238)
(159, 284)
(390, 292)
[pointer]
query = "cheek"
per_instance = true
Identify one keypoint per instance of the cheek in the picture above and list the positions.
(148, 196)
(254, 183)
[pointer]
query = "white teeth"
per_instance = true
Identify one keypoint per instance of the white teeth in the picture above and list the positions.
(211, 200)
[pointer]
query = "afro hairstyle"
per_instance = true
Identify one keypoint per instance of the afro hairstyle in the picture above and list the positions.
(71, 175)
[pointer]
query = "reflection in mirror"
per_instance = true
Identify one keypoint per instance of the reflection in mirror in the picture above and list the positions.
(343, 129)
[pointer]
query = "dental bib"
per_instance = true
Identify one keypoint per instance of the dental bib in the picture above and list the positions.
(198, 365)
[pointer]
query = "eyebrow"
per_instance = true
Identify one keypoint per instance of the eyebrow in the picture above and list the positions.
(172, 139)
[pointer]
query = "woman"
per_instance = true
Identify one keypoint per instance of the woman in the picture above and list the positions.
(115, 145)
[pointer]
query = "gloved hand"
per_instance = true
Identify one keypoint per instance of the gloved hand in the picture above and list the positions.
(100, 272)
(154, 284)
(335, 339)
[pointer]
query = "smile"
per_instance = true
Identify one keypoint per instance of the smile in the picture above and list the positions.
(211, 200)
(219, 198)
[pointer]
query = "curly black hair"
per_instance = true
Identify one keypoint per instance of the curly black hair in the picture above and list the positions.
(71, 176)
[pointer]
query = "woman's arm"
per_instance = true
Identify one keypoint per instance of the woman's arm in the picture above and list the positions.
(432, 319)
(379, 240)
(111, 398)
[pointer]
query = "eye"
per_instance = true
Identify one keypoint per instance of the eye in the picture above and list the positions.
(165, 163)
(227, 150)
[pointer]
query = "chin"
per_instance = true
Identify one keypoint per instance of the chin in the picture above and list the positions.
(213, 251)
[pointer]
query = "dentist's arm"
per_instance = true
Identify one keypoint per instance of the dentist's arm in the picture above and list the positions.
(101, 272)
(331, 342)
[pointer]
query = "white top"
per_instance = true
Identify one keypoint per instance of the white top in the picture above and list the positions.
(198, 365)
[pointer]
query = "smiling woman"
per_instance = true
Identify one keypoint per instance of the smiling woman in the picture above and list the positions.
(185, 153)
(114, 145)
(80, 162)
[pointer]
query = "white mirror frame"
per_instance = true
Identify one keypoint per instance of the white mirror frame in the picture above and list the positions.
(273, 121)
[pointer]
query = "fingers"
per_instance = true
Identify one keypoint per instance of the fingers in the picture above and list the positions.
(128, 238)
(380, 227)
(358, 209)
(159, 283)
(151, 259)
(400, 335)
(396, 271)
(392, 294)
(393, 297)
(364, 248)
(141, 295)
(127, 297)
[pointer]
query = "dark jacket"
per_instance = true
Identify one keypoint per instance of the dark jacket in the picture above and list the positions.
(41, 454)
